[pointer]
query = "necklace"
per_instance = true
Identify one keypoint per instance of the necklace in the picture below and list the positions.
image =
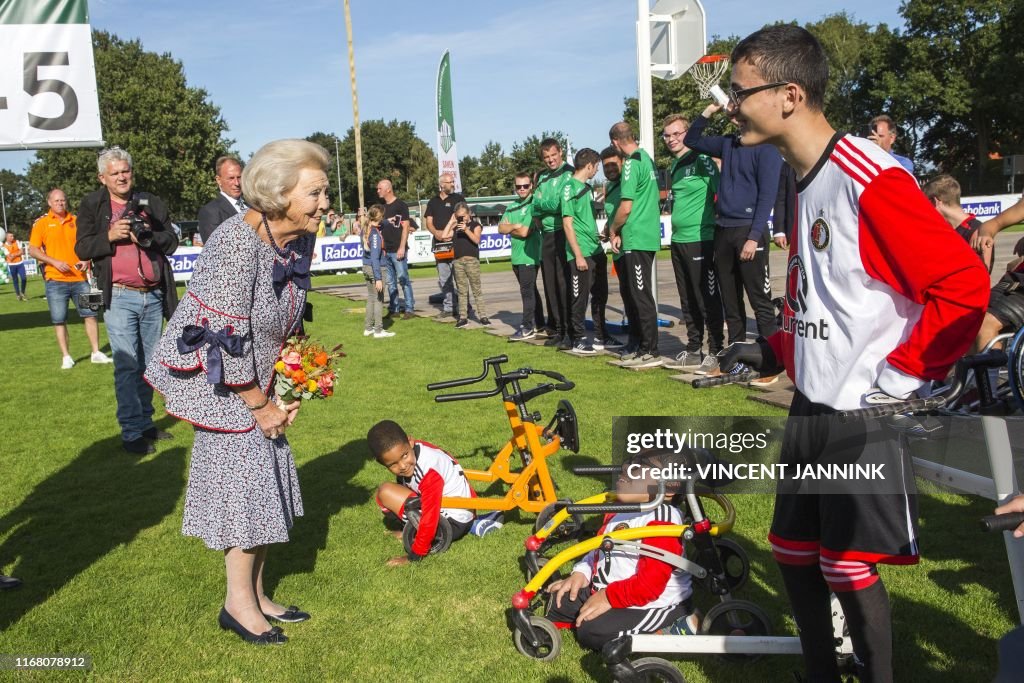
(283, 253)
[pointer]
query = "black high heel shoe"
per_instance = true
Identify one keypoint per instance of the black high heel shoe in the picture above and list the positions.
(274, 636)
(292, 615)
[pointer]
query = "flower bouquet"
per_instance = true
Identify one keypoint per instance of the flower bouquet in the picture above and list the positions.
(305, 370)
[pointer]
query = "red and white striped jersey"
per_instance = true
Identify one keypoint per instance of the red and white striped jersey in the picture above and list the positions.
(879, 291)
(634, 581)
(437, 475)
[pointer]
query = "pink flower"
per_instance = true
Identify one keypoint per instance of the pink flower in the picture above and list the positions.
(292, 358)
(325, 382)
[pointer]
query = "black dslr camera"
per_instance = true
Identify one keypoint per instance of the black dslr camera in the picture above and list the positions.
(137, 214)
(93, 300)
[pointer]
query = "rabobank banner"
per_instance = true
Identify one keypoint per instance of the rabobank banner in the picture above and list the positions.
(985, 208)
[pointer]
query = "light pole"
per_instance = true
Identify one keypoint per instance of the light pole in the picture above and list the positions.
(337, 160)
(3, 203)
(481, 189)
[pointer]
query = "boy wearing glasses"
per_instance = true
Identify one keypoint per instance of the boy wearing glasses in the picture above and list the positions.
(693, 179)
(872, 313)
(517, 223)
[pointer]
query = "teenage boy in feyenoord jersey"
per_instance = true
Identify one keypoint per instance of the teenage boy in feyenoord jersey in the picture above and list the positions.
(588, 265)
(517, 223)
(636, 232)
(546, 208)
(611, 165)
(694, 181)
(881, 297)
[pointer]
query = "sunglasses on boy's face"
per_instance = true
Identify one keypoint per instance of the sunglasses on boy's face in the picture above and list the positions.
(523, 187)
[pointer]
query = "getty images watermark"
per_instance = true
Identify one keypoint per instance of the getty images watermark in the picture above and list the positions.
(818, 455)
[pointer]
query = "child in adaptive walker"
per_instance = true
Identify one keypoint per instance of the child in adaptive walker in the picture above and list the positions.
(425, 474)
(619, 593)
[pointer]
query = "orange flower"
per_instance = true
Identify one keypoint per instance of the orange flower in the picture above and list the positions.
(299, 377)
(320, 359)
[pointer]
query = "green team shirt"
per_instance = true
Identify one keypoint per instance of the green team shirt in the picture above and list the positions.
(547, 197)
(576, 204)
(642, 231)
(612, 197)
(694, 179)
(525, 250)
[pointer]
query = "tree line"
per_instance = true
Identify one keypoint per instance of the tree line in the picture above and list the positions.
(949, 77)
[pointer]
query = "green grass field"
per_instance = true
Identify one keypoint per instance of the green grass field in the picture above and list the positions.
(95, 533)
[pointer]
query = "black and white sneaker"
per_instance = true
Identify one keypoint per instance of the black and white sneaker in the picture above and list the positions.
(609, 343)
(463, 322)
(582, 348)
(523, 334)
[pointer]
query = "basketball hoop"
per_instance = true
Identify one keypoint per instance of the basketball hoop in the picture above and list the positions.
(707, 72)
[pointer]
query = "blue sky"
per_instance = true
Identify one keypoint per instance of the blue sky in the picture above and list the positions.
(280, 69)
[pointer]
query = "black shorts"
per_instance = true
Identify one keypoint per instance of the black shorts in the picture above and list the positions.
(594, 633)
(867, 520)
(459, 529)
(1006, 302)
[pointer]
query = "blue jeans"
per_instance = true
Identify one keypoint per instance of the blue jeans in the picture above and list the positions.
(399, 272)
(134, 323)
(59, 293)
(17, 271)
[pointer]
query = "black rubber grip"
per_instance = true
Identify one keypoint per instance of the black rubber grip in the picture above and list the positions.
(1005, 522)
(467, 396)
(719, 380)
(597, 469)
(602, 508)
(897, 408)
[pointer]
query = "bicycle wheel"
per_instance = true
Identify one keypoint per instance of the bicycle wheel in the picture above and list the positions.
(1016, 367)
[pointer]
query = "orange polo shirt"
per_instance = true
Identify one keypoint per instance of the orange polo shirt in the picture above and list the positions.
(12, 252)
(56, 236)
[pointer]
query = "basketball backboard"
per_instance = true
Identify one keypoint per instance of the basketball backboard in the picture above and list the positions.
(678, 37)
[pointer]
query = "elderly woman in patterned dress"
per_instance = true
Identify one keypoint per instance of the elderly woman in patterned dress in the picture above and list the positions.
(215, 369)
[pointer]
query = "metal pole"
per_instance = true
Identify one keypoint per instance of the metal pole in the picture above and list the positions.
(355, 104)
(645, 99)
(337, 160)
(3, 203)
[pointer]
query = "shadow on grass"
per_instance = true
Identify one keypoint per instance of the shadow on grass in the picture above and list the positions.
(326, 489)
(101, 500)
(26, 320)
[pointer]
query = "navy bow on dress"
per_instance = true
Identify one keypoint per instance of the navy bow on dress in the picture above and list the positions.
(296, 271)
(194, 337)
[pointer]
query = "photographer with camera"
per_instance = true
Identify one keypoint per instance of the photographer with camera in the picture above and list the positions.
(52, 242)
(128, 234)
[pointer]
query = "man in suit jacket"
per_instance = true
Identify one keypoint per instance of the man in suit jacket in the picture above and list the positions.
(228, 202)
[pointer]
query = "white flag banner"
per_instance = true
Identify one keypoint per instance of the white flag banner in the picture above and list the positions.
(447, 157)
(47, 76)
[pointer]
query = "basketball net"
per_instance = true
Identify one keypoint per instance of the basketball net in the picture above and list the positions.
(707, 73)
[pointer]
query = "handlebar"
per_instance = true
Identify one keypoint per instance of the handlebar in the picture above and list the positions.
(488, 362)
(597, 469)
(980, 362)
(501, 379)
(719, 380)
(1004, 522)
(603, 508)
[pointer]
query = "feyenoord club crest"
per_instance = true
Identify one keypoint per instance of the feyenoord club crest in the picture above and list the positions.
(620, 526)
(821, 234)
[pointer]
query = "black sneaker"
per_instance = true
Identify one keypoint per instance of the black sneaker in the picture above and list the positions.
(565, 343)
(523, 334)
(582, 348)
(554, 340)
(485, 321)
(463, 322)
(546, 333)
(154, 434)
(600, 344)
(138, 446)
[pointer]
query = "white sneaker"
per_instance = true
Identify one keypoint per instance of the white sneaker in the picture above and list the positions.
(367, 333)
(383, 334)
(101, 358)
(67, 363)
